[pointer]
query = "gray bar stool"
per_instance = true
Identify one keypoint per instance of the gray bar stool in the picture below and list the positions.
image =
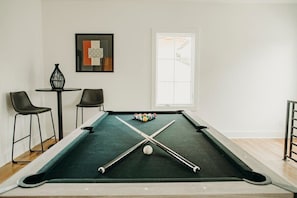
(23, 106)
(90, 98)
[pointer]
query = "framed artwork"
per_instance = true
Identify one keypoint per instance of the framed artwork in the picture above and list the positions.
(94, 52)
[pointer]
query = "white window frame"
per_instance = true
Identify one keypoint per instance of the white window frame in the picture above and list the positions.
(191, 106)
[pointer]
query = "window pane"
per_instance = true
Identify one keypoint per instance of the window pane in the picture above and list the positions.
(182, 93)
(165, 48)
(165, 93)
(165, 70)
(184, 50)
(182, 72)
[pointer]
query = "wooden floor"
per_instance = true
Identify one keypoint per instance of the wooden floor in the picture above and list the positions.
(268, 151)
(10, 168)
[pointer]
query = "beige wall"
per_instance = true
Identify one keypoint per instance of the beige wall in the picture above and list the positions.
(21, 65)
(246, 56)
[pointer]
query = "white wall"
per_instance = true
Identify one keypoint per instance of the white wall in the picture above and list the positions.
(248, 67)
(247, 56)
(21, 65)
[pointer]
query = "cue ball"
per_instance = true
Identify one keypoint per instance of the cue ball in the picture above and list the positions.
(147, 150)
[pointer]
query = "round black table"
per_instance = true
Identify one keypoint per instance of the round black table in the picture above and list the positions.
(59, 102)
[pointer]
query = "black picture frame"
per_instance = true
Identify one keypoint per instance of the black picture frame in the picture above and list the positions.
(94, 52)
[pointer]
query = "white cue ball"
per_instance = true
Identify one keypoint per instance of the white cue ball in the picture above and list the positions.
(147, 150)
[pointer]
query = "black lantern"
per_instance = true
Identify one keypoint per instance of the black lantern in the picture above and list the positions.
(57, 79)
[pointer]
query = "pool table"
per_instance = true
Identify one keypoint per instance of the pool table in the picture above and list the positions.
(73, 167)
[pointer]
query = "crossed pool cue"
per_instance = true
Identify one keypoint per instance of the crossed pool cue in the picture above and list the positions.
(103, 168)
(174, 154)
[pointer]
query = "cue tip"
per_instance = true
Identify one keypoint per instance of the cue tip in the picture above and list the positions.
(196, 169)
(101, 170)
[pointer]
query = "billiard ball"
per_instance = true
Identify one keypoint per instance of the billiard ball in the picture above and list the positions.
(147, 150)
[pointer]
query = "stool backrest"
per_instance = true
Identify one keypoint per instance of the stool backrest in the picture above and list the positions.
(20, 101)
(92, 97)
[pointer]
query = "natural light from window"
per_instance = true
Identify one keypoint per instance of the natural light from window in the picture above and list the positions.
(175, 54)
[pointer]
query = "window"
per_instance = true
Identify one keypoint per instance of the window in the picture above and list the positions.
(174, 70)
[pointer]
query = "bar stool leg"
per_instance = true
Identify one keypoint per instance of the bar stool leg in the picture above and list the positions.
(53, 126)
(13, 138)
(30, 132)
(42, 150)
(76, 117)
(15, 141)
(82, 115)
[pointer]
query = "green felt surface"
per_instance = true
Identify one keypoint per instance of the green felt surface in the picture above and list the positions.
(111, 138)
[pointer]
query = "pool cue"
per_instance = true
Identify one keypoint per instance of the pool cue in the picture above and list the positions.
(174, 154)
(103, 168)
